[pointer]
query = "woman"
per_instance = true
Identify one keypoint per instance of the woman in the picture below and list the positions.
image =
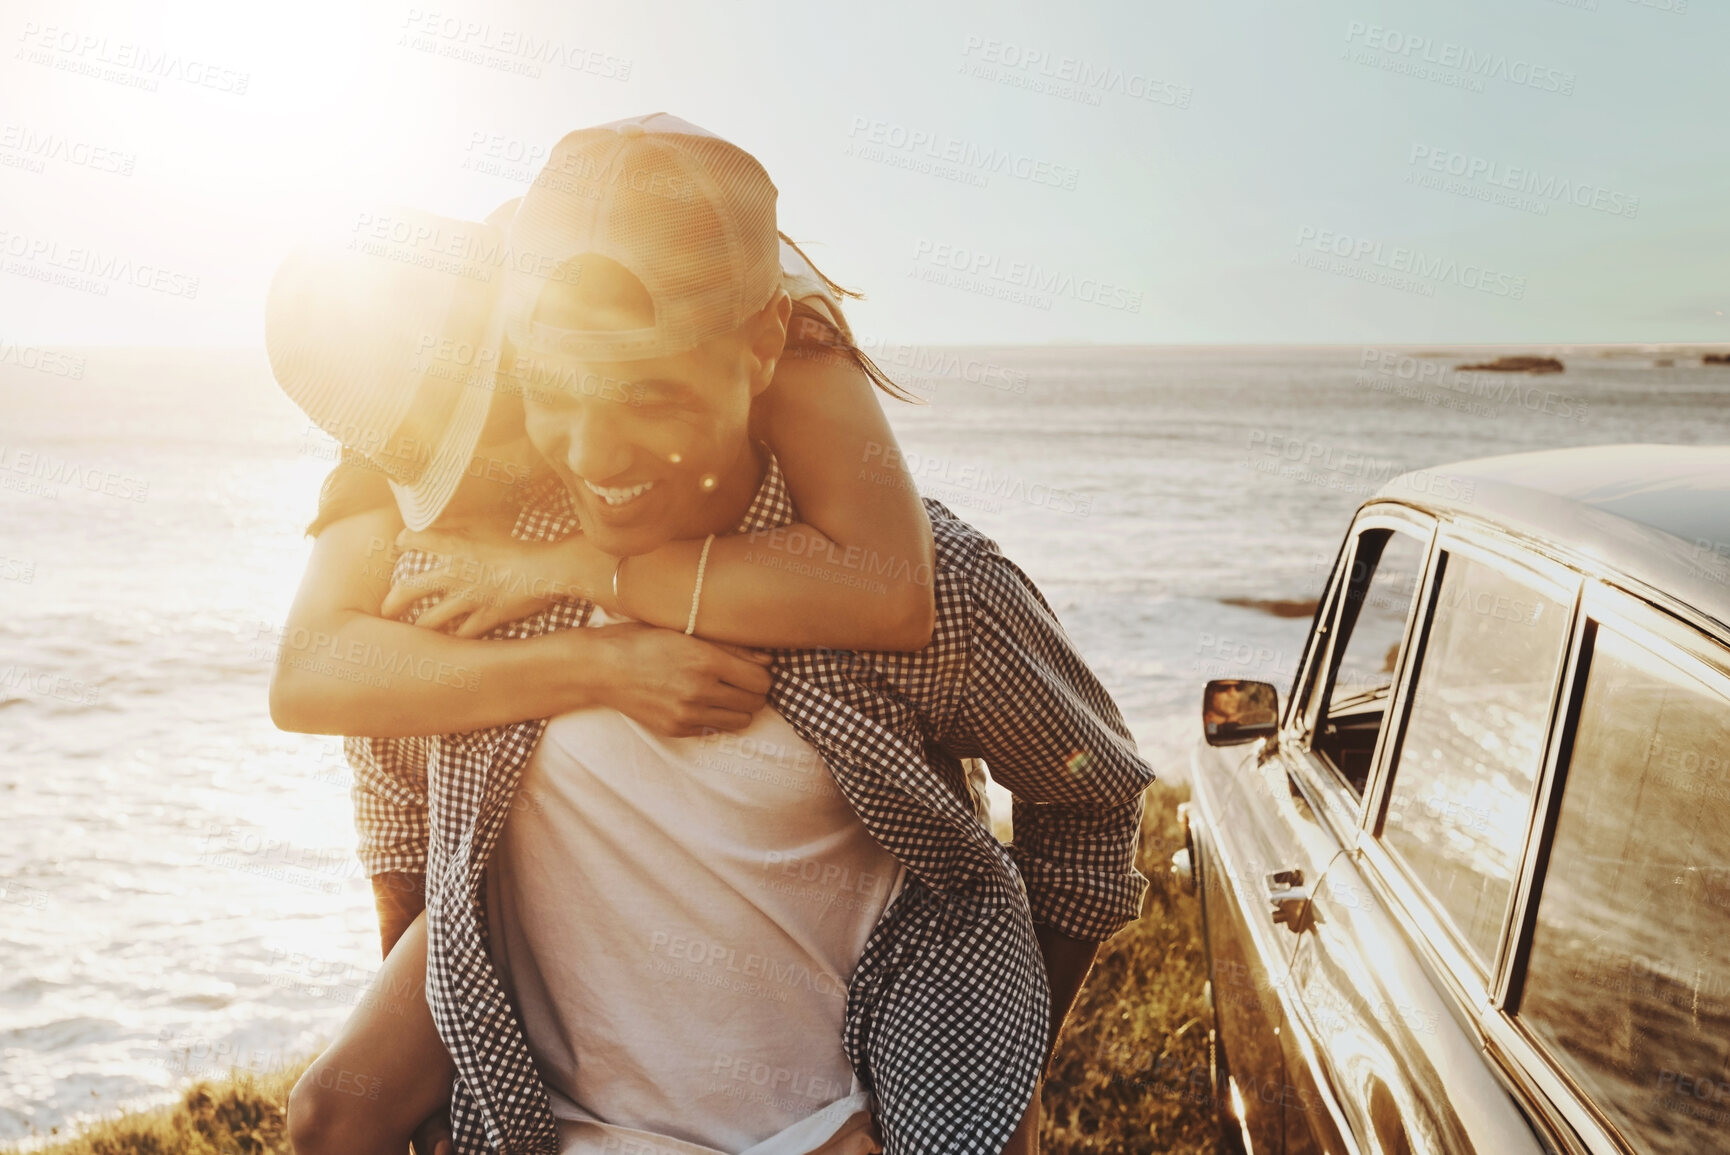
(819, 416)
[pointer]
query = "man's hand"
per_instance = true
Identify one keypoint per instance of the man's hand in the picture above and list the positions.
(433, 1137)
(676, 685)
(1024, 1140)
(1067, 961)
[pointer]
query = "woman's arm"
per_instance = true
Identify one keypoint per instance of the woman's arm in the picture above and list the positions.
(342, 669)
(855, 573)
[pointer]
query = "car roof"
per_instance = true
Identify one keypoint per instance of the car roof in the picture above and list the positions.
(1658, 514)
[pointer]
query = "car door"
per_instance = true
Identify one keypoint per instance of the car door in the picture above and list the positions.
(1410, 928)
(1339, 718)
(1276, 839)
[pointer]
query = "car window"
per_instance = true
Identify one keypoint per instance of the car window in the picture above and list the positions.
(1473, 742)
(1386, 568)
(1627, 982)
(1378, 601)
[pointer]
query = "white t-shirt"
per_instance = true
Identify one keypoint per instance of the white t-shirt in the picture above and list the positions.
(677, 920)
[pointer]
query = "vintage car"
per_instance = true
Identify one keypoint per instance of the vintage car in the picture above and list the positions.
(1467, 889)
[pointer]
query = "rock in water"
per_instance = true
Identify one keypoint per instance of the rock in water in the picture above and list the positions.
(1517, 365)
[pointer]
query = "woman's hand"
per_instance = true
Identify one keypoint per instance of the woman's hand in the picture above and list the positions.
(677, 685)
(482, 581)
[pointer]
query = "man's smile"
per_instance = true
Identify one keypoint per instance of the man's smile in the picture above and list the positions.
(618, 497)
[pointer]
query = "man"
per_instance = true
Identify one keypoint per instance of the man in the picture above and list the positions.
(580, 951)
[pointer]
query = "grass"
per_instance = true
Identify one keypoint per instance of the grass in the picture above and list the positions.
(243, 1115)
(1130, 1077)
(1131, 1074)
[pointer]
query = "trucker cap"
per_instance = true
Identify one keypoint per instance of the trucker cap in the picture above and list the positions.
(691, 216)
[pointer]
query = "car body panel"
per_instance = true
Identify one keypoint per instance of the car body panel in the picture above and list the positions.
(1229, 870)
(1405, 1067)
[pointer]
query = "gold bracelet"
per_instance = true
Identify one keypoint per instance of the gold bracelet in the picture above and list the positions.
(697, 591)
(618, 606)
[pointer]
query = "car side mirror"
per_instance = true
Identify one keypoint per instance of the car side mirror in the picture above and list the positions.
(1234, 711)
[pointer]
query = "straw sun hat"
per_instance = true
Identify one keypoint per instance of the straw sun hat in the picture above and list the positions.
(388, 339)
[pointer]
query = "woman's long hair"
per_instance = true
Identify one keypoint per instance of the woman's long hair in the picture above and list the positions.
(809, 334)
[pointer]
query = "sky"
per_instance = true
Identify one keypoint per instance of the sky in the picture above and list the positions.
(1108, 171)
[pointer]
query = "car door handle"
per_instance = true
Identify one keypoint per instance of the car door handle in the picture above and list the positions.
(1290, 899)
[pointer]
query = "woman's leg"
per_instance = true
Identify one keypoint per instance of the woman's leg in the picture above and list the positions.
(385, 1073)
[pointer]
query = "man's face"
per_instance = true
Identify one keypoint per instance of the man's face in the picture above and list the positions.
(642, 446)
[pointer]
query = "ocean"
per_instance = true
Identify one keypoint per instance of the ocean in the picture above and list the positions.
(178, 889)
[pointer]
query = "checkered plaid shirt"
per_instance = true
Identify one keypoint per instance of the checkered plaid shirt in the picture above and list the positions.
(947, 1011)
